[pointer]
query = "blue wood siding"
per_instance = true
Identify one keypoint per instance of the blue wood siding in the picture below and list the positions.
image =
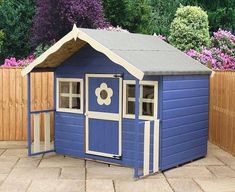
(70, 139)
(184, 126)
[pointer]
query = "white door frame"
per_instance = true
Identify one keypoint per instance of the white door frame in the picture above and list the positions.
(107, 116)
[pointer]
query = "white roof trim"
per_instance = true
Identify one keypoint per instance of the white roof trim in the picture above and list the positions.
(74, 34)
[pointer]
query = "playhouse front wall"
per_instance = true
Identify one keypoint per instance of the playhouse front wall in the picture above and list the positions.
(70, 127)
(182, 110)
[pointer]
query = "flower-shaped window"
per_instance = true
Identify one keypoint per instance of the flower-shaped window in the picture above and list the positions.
(104, 94)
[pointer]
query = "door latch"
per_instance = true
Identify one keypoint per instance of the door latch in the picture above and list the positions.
(118, 75)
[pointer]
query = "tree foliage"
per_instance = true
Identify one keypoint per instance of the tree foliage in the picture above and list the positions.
(55, 18)
(15, 23)
(142, 18)
(133, 15)
(221, 14)
(117, 12)
(2, 36)
(164, 12)
(189, 29)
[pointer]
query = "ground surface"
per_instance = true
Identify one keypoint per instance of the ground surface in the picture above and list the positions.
(56, 173)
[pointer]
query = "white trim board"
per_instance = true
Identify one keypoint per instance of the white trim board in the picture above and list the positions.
(78, 33)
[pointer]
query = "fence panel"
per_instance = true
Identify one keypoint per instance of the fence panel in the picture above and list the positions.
(13, 101)
(222, 110)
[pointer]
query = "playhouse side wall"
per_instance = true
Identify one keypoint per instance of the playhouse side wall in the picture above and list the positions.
(184, 126)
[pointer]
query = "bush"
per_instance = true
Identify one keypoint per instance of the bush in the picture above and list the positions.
(13, 62)
(189, 29)
(225, 41)
(220, 56)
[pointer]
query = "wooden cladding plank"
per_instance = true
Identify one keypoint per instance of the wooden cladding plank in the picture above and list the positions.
(19, 106)
(24, 122)
(1, 105)
(12, 105)
(6, 110)
(13, 101)
(222, 110)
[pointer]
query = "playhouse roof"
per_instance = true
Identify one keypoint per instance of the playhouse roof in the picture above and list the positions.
(139, 54)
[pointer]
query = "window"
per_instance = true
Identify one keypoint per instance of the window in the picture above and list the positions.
(148, 99)
(70, 95)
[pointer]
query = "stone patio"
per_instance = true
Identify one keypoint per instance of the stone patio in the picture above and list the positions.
(56, 173)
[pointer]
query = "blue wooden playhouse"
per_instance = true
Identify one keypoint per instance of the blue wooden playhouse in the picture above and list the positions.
(122, 98)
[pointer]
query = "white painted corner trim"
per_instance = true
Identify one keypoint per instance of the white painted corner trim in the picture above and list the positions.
(77, 33)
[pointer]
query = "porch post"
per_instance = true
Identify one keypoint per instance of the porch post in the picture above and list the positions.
(137, 103)
(29, 112)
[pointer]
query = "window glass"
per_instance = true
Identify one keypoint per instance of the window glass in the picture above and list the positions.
(130, 91)
(64, 87)
(64, 102)
(148, 92)
(130, 107)
(75, 103)
(76, 87)
(147, 109)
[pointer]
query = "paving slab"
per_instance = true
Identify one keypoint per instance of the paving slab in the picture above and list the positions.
(61, 161)
(209, 160)
(1, 151)
(222, 171)
(113, 172)
(57, 186)
(16, 152)
(34, 173)
(13, 144)
(233, 167)
(28, 162)
(183, 185)
(7, 164)
(156, 176)
(188, 172)
(143, 185)
(217, 184)
(14, 186)
(218, 152)
(99, 185)
(90, 163)
(2, 178)
(228, 159)
(73, 173)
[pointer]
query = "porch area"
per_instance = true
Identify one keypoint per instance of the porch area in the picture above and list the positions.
(57, 173)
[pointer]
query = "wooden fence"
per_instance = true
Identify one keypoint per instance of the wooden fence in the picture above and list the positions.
(13, 101)
(222, 110)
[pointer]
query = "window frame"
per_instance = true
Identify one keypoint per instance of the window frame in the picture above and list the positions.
(70, 95)
(141, 99)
